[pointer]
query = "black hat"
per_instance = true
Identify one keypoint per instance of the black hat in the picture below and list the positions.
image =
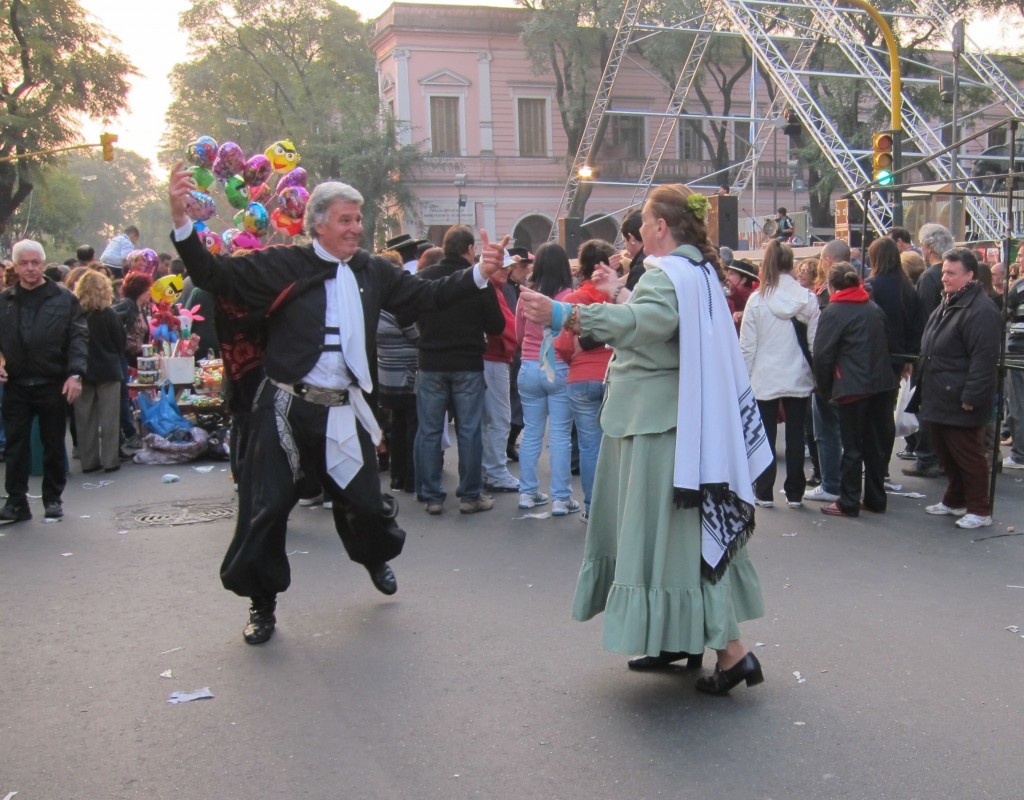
(744, 268)
(524, 255)
(402, 242)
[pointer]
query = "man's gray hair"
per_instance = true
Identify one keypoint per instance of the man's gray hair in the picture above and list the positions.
(326, 195)
(837, 250)
(27, 245)
(935, 238)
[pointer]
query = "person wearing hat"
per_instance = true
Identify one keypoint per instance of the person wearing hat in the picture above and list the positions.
(741, 277)
(408, 249)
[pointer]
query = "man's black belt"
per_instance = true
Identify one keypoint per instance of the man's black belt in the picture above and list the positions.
(315, 394)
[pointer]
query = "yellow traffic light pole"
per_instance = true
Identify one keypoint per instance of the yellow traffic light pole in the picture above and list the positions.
(106, 142)
(895, 96)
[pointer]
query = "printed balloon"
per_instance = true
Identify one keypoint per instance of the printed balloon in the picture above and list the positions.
(167, 289)
(202, 176)
(282, 156)
(202, 152)
(236, 192)
(255, 219)
(293, 201)
(246, 241)
(211, 241)
(145, 261)
(199, 205)
(282, 223)
(230, 161)
(257, 170)
(227, 236)
(297, 177)
(259, 193)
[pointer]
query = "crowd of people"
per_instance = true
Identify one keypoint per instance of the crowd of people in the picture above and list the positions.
(660, 375)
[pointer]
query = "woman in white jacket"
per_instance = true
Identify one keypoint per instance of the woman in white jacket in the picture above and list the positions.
(777, 316)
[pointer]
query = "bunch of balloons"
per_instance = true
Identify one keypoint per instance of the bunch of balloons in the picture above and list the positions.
(245, 186)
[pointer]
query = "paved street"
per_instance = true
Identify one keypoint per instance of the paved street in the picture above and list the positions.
(472, 682)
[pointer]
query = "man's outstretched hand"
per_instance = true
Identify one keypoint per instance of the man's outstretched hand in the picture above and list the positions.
(493, 254)
(181, 183)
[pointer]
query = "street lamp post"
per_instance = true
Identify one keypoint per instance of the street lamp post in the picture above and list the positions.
(460, 183)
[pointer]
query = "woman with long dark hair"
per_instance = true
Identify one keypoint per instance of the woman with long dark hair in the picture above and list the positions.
(543, 392)
(673, 507)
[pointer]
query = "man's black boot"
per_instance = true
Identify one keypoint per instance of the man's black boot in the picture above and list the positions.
(261, 620)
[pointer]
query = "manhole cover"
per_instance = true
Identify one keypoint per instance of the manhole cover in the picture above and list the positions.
(182, 512)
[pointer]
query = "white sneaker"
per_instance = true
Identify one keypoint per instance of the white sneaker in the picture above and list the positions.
(764, 503)
(974, 521)
(527, 500)
(559, 508)
(306, 502)
(942, 510)
(819, 494)
(794, 504)
(1009, 463)
(585, 517)
(328, 504)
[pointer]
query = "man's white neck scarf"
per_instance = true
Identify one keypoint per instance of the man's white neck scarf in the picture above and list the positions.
(344, 455)
(721, 445)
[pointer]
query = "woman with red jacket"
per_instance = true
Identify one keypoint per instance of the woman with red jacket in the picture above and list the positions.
(588, 362)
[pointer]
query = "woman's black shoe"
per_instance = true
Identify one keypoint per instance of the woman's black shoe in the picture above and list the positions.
(721, 681)
(814, 480)
(693, 660)
(261, 620)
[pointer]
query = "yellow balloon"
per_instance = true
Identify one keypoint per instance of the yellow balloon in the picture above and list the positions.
(283, 156)
(167, 289)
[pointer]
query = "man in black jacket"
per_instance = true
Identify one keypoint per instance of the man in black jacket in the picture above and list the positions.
(44, 342)
(311, 415)
(451, 374)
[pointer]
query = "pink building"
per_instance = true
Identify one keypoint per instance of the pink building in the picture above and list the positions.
(459, 82)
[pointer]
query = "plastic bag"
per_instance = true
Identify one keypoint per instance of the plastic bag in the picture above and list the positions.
(906, 423)
(163, 451)
(161, 415)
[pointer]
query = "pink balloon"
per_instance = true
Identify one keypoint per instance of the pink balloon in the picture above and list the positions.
(293, 200)
(230, 161)
(145, 261)
(297, 177)
(247, 241)
(257, 170)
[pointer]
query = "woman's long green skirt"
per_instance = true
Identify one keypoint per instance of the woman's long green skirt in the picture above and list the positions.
(642, 559)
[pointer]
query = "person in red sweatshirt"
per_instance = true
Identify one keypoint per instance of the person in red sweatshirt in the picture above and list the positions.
(588, 361)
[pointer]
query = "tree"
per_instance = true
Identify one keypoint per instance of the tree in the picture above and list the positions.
(290, 69)
(81, 199)
(55, 66)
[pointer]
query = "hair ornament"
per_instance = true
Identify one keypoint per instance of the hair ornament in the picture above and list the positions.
(698, 204)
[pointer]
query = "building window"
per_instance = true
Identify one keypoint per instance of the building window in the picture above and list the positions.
(691, 145)
(444, 126)
(997, 137)
(533, 125)
(628, 136)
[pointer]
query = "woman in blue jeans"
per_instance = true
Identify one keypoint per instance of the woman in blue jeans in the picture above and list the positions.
(542, 390)
(588, 362)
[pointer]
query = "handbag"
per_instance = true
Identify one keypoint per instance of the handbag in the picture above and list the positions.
(161, 415)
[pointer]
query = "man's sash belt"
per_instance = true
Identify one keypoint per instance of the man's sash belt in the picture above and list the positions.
(315, 394)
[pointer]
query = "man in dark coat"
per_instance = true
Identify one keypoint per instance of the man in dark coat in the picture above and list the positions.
(957, 378)
(44, 342)
(311, 415)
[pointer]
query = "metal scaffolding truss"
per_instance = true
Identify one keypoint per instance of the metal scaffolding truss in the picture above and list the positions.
(784, 59)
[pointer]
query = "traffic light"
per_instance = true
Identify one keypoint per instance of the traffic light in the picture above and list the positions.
(882, 158)
(107, 143)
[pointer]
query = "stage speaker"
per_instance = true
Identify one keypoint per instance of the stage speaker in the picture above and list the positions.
(723, 221)
(571, 234)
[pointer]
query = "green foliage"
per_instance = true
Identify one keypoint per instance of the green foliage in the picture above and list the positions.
(81, 199)
(303, 70)
(55, 66)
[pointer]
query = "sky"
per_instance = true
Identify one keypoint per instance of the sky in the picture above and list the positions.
(149, 35)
